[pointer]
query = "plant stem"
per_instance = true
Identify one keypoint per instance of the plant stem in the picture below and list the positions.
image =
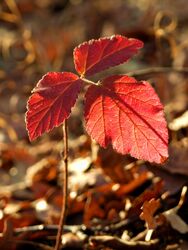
(158, 70)
(65, 188)
(89, 82)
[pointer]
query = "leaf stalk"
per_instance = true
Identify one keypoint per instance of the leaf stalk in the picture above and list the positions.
(89, 81)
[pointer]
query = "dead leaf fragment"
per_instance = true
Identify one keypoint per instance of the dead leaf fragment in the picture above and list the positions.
(176, 221)
(46, 169)
(6, 239)
(180, 122)
(178, 160)
(149, 208)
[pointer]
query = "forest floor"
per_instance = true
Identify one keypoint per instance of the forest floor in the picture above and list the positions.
(115, 201)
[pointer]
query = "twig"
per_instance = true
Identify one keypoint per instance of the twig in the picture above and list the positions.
(65, 188)
(42, 227)
(114, 227)
(182, 197)
(117, 243)
(157, 70)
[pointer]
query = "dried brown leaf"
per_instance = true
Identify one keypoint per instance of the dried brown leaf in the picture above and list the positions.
(148, 210)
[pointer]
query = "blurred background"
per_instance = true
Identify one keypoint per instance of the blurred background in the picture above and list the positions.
(39, 36)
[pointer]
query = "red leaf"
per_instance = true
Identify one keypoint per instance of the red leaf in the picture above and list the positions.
(128, 114)
(51, 102)
(97, 55)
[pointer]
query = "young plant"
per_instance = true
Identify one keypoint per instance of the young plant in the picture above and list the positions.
(119, 110)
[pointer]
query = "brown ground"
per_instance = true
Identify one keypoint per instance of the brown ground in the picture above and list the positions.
(115, 201)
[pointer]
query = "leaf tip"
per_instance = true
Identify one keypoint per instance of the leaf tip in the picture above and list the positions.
(164, 159)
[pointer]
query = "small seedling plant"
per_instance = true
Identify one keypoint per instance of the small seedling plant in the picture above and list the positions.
(119, 110)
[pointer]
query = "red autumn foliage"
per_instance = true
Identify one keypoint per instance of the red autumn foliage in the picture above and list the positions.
(97, 55)
(128, 114)
(119, 110)
(51, 102)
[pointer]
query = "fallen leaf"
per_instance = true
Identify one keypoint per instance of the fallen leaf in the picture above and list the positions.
(148, 210)
(179, 122)
(178, 160)
(176, 221)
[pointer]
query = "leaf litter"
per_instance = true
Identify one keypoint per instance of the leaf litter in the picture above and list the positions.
(108, 192)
